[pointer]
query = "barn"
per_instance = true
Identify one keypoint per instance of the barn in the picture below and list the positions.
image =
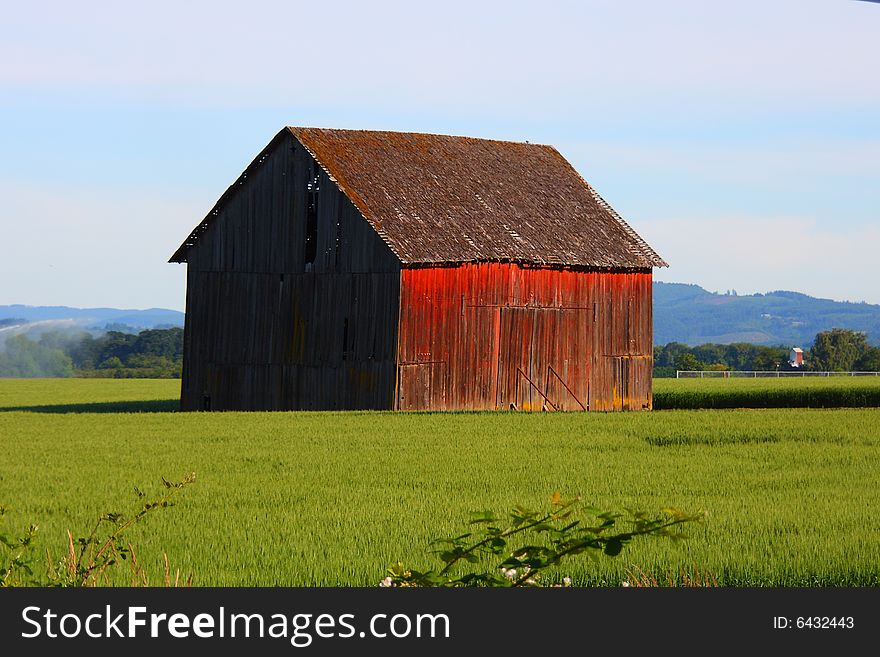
(350, 269)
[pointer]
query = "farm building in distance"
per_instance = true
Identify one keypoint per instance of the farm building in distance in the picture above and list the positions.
(383, 270)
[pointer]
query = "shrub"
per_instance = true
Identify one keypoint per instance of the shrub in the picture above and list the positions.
(521, 548)
(88, 559)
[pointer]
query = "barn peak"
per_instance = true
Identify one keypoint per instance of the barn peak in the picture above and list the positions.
(439, 199)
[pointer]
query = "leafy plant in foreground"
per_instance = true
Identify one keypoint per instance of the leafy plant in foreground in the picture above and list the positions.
(528, 542)
(16, 556)
(88, 559)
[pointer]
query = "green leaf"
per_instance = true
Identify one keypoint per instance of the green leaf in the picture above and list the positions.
(482, 516)
(397, 570)
(496, 545)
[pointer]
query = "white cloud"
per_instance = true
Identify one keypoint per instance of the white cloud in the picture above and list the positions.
(759, 254)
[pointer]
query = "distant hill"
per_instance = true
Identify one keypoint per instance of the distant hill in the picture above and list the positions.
(692, 315)
(64, 317)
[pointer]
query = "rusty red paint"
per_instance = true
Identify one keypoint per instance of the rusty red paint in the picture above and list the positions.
(496, 335)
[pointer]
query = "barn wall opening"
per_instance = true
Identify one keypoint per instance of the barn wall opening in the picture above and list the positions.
(337, 242)
(312, 195)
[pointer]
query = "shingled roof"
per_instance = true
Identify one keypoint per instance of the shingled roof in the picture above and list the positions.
(438, 199)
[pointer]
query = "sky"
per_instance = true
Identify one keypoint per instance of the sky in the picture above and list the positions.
(741, 140)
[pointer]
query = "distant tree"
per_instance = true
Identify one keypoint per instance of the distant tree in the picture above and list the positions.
(111, 363)
(710, 353)
(117, 344)
(768, 358)
(63, 340)
(25, 358)
(687, 361)
(167, 343)
(17, 360)
(738, 355)
(837, 350)
(666, 355)
(869, 361)
(120, 328)
(85, 352)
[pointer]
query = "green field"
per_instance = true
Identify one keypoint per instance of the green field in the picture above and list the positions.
(783, 392)
(333, 498)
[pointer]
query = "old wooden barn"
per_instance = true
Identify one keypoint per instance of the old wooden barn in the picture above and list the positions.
(382, 270)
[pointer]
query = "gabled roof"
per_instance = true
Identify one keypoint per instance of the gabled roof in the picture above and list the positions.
(438, 199)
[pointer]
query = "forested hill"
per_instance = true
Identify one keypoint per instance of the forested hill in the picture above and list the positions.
(692, 315)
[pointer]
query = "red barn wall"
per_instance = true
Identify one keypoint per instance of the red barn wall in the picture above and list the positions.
(493, 335)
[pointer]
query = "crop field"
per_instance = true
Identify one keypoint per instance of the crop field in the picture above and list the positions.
(334, 498)
(783, 392)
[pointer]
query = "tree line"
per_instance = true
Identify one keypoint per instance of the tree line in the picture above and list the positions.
(837, 350)
(153, 353)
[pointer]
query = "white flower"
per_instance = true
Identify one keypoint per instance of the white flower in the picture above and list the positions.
(625, 584)
(509, 573)
(566, 581)
(387, 582)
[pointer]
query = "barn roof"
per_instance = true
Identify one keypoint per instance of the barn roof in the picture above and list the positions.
(438, 199)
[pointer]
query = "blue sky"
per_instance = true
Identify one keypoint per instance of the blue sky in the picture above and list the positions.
(742, 140)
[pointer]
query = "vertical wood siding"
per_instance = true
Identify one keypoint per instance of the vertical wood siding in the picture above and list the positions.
(264, 331)
(496, 336)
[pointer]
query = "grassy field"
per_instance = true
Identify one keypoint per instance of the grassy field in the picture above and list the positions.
(783, 392)
(333, 498)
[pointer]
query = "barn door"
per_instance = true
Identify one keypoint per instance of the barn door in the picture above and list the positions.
(541, 361)
(516, 378)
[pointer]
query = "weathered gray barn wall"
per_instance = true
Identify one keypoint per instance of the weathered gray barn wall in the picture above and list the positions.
(265, 330)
